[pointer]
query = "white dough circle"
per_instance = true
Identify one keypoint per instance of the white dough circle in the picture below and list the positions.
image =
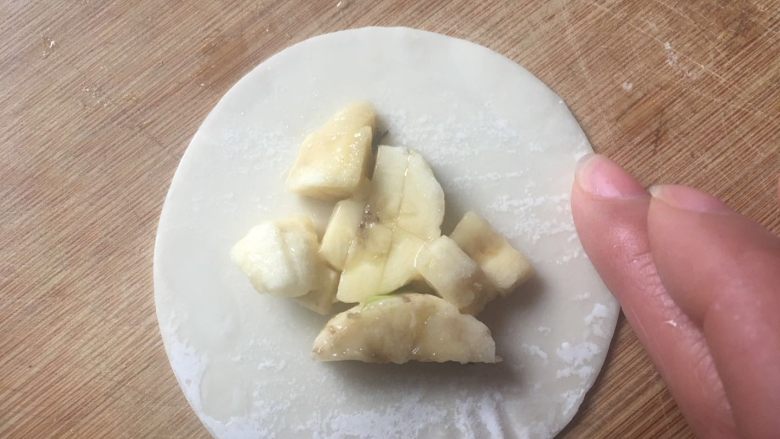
(500, 142)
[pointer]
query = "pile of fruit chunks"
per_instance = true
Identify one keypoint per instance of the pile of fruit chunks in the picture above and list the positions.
(416, 291)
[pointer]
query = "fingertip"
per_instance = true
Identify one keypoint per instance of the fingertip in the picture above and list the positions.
(610, 213)
(609, 207)
(601, 177)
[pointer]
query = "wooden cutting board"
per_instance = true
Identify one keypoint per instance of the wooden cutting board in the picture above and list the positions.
(98, 101)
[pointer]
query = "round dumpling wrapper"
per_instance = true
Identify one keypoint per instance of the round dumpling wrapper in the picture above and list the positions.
(500, 142)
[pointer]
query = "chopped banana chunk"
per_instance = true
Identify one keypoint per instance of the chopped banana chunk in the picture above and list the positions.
(405, 193)
(454, 275)
(342, 230)
(399, 266)
(322, 298)
(333, 160)
(365, 263)
(405, 327)
(280, 257)
(405, 208)
(504, 267)
(422, 205)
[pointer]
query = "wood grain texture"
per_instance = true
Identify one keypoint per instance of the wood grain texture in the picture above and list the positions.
(99, 99)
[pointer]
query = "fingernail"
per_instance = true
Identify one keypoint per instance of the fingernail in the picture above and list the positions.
(683, 197)
(602, 177)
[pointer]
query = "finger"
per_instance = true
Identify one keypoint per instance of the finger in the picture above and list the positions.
(610, 212)
(723, 270)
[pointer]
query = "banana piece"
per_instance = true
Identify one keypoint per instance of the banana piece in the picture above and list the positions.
(399, 266)
(404, 208)
(342, 230)
(321, 299)
(422, 206)
(504, 267)
(280, 258)
(387, 183)
(454, 275)
(405, 193)
(334, 159)
(365, 264)
(405, 327)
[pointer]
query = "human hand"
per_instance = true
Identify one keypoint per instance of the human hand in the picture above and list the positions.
(700, 286)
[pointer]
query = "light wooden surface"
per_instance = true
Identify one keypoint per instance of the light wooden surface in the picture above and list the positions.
(98, 101)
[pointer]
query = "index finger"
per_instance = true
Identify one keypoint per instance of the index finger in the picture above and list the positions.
(723, 270)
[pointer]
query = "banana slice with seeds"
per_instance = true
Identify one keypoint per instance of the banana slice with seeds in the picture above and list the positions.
(365, 263)
(404, 209)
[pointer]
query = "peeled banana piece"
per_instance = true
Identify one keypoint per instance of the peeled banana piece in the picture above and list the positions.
(280, 258)
(504, 267)
(333, 160)
(405, 327)
(343, 228)
(454, 276)
(403, 209)
(322, 298)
